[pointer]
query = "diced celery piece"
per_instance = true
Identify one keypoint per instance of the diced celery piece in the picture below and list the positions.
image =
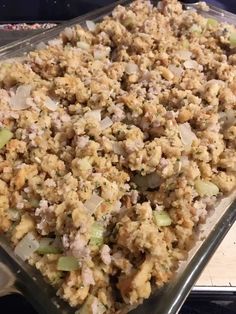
(5, 65)
(206, 188)
(97, 231)
(14, 214)
(47, 246)
(68, 263)
(34, 202)
(161, 218)
(5, 136)
(26, 246)
(128, 21)
(56, 277)
(195, 28)
(185, 44)
(232, 39)
(87, 306)
(212, 22)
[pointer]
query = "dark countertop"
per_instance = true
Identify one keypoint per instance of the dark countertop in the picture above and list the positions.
(15, 304)
(9, 36)
(65, 9)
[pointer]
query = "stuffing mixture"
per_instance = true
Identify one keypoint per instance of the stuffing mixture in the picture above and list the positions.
(115, 141)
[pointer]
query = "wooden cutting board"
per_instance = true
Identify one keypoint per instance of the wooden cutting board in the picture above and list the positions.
(221, 270)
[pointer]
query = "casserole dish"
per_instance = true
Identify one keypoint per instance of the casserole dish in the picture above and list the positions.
(188, 270)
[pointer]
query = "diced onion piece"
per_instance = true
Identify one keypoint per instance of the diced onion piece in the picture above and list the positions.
(160, 5)
(118, 148)
(191, 64)
(161, 218)
(184, 162)
(5, 136)
(131, 68)
(195, 29)
(177, 71)
(50, 104)
(68, 263)
(14, 214)
(206, 188)
(55, 42)
(213, 81)
(177, 166)
(90, 25)
(184, 54)
(186, 134)
(41, 46)
(150, 181)
(106, 123)
(27, 246)
(93, 203)
(232, 39)
(100, 54)
(18, 101)
(68, 31)
(97, 231)
(228, 117)
(47, 246)
(117, 206)
(95, 114)
(212, 22)
(83, 45)
(92, 305)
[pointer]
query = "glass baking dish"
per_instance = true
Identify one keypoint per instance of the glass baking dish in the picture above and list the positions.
(17, 276)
